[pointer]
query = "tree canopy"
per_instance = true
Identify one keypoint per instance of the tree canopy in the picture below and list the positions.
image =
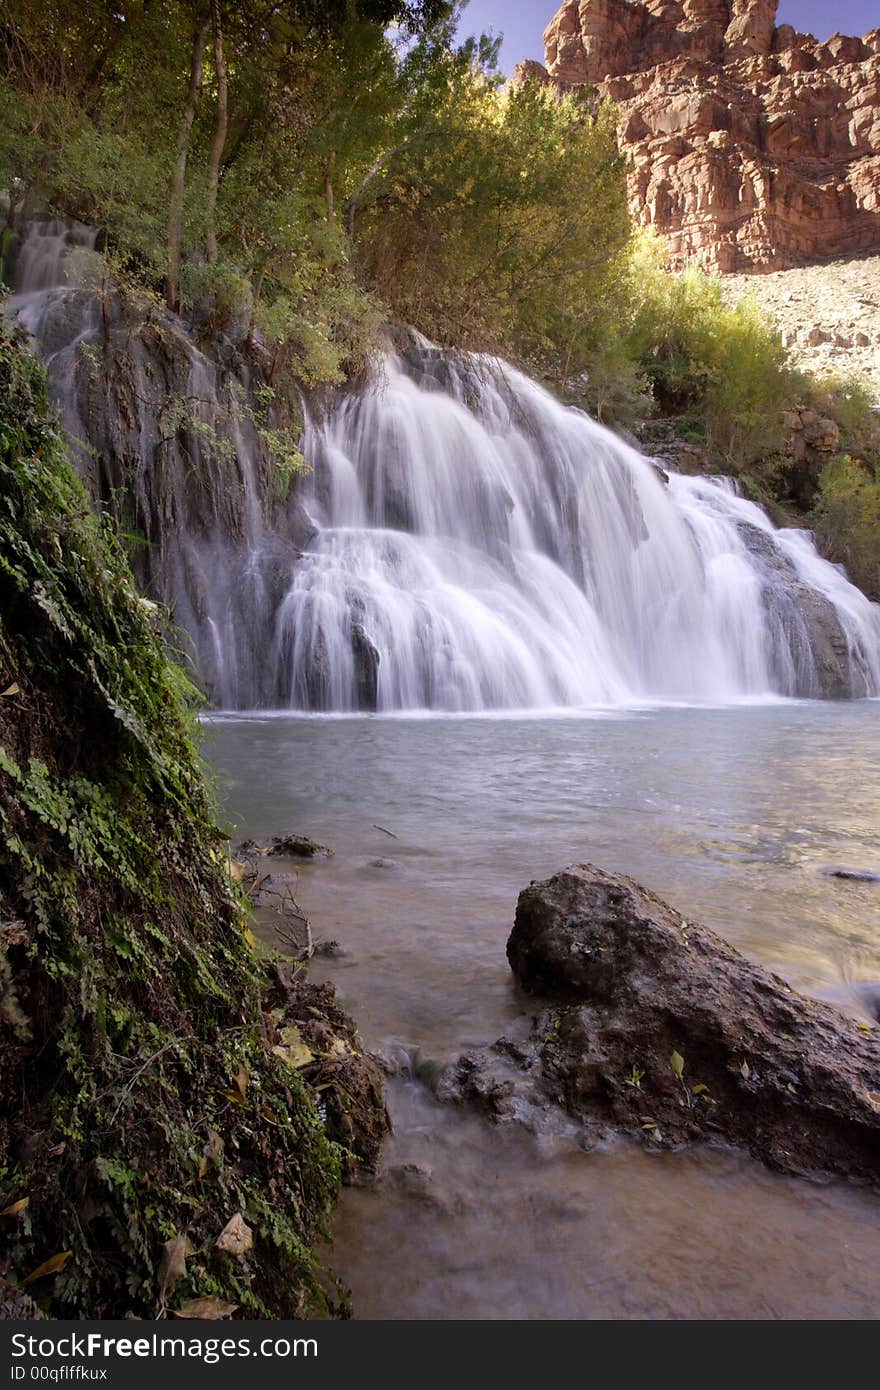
(319, 166)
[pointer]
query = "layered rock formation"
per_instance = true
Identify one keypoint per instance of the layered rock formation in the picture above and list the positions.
(750, 146)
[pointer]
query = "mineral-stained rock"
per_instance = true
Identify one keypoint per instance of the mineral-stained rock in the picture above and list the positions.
(805, 625)
(658, 1027)
(751, 147)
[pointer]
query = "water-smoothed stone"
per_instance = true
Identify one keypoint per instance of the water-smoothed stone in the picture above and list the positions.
(823, 665)
(660, 1028)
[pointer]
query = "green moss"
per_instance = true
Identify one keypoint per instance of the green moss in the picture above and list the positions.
(138, 1099)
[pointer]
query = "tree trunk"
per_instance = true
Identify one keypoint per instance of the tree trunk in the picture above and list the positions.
(219, 131)
(178, 183)
(328, 184)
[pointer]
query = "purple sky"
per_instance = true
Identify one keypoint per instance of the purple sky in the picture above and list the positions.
(523, 21)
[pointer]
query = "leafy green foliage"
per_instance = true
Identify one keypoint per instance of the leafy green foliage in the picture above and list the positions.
(476, 229)
(847, 519)
(722, 368)
(366, 173)
(131, 1042)
(373, 169)
(93, 100)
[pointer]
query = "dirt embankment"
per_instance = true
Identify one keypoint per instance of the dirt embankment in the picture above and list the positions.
(162, 1151)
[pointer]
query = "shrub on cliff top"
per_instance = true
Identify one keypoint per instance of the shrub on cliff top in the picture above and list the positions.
(722, 365)
(140, 1109)
(847, 519)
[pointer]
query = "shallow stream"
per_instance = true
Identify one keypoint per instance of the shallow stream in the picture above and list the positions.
(732, 814)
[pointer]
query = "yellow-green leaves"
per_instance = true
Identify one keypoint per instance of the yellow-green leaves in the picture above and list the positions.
(16, 1208)
(293, 1050)
(50, 1266)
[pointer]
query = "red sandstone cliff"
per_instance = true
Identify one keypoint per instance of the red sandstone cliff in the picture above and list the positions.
(751, 147)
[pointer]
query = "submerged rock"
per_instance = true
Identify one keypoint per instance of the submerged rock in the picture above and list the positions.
(857, 875)
(291, 846)
(329, 950)
(663, 1029)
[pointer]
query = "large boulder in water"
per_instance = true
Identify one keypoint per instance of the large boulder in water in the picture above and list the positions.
(661, 1028)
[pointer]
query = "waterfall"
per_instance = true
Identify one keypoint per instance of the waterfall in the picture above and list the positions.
(463, 542)
(481, 546)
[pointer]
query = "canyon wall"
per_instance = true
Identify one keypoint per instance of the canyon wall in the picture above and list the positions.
(752, 147)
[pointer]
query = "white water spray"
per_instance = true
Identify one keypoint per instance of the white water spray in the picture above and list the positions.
(481, 546)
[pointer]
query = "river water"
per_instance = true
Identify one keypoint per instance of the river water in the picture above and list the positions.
(734, 815)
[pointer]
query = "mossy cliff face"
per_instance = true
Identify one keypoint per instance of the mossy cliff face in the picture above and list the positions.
(140, 1106)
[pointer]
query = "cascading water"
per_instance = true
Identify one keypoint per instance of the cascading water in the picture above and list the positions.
(469, 544)
(481, 546)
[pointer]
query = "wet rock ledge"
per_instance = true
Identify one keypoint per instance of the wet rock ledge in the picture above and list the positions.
(658, 1028)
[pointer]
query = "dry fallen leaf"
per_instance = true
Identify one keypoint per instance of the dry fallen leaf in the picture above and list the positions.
(211, 1153)
(16, 1208)
(236, 1238)
(172, 1266)
(14, 689)
(212, 1309)
(50, 1266)
(296, 1055)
